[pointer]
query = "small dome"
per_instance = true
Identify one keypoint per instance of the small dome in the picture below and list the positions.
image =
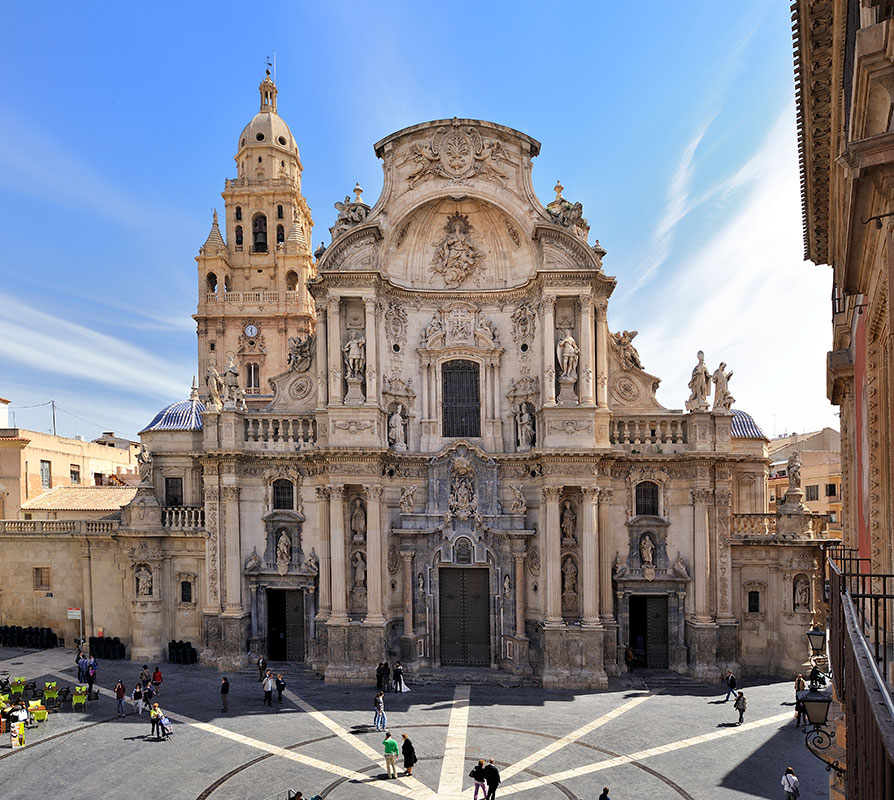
(267, 128)
(744, 426)
(183, 416)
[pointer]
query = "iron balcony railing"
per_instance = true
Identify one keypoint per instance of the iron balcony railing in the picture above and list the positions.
(860, 648)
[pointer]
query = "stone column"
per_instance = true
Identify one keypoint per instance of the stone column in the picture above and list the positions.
(551, 495)
(374, 538)
(325, 575)
(424, 366)
(372, 359)
(590, 558)
(233, 548)
(254, 611)
(701, 567)
(519, 559)
(606, 598)
(337, 554)
(601, 356)
(587, 351)
(549, 347)
(407, 556)
(333, 333)
(722, 499)
(498, 417)
(322, 367)
(212, 569)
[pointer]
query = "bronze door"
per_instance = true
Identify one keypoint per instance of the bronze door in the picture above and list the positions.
(464, 617)
(295, 626)
(285, 625)
(656, 632)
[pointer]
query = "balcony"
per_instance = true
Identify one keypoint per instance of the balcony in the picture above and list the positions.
(754, 525)
(280, 433)
(646, 429)
(183, 518)
(58, 526)
(251, 298)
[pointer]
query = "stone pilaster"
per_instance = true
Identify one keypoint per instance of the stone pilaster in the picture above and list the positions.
(549, 345)
(701, 567)
(601, 357)
(322, 366)
(337, 555)
(233, 545)
(587, 351)
(372, 353)
(374, 556)
(553, 560)
(333, 333)
(325, 574)
(590, 558)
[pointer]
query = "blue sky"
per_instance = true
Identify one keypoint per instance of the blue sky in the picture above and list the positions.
(673, 123)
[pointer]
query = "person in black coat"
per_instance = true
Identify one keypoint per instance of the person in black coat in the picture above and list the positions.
(492, 778)
(397, 676)
(409, 754)
(477, 775)
(386, 677)
(379, 676)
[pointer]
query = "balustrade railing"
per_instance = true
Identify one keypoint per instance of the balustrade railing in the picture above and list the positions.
(647, 429)
(277, 432)
(754, 524)
(290, 296)
(58, 526)
(183, 517)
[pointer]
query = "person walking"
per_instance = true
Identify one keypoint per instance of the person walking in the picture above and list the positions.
(492, 779)
(604, 795)
(739, 705)
(477, 775)
(629, 658)
(147, 697)
(280, 686)
(137, 696)
(790, 784)
(731, 685)
(390, 755)
(120, 694)
(262, 668)
(268, 686)
(397, 676)
(379, 718)
(224, 694)
(155, 719)
(82, 662)
(145, 676)
(386, 676)
(156, 681)
(800, 686)
(91, 675)
(409, 754)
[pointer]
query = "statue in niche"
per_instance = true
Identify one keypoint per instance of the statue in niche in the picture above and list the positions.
(144, 459)
(420, 584)
(646, 551)
(802, 594)
(568, 354)
(456, 257)
(396, 436)
(569, 577)
(629, 355)
(359, 570)
(407, 499)
(525, 423)
(507, 587)
(462, 503)
(215, 387)
(144, 581)
(354, 351)
(723, 400)
(300, 352)
(312, 564)
(794, 471)
(358, 521)
(253, 562)
(699, 385)
(519, 504)
(283, 553)
(568, 524)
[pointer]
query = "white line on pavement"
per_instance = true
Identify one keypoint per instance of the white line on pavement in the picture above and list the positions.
(453, 766)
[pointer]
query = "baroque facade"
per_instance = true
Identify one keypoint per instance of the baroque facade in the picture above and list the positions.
(426, 443)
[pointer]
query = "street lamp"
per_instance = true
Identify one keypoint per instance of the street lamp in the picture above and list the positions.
(819, 738)
(817, 639)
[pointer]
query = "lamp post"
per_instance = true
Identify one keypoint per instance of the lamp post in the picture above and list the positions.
(819, 737)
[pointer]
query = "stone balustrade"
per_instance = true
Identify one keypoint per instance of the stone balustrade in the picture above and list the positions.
(184, 518)
(278, 432)
(648, 429)
(754, 525)
(58, 526)
(252, 298)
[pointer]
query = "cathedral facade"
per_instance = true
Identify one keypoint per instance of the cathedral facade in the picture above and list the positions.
(424, 442)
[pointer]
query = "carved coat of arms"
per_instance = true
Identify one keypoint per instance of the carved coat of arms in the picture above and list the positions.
(456, 153)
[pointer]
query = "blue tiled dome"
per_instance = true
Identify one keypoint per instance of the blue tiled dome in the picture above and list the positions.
(744, 426)
(183, 416)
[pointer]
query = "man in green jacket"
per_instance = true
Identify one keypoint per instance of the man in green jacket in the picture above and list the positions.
(390, 755)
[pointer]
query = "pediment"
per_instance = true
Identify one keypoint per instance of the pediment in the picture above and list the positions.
(631, 387)
(358, 248)
(293, 392)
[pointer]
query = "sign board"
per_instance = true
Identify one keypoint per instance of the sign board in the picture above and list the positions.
(74, 613)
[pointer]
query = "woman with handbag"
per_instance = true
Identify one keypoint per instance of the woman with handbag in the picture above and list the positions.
(790, 784)
(409, 754)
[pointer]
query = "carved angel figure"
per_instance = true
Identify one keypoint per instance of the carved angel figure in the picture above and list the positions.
(519, 504)
(568, 354)
(253, 562)
(723, 400)
(629, 355)
(433, 328)
(680, 567)
(312, 563)
(699, 386)
(300, 352)
(406, 499)
(619, 568)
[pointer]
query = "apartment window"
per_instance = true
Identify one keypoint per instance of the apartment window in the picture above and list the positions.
(174, 491)
(185, 591)
(283, 494)
(831, 490)
(813, 492)
(45, 474)
(42, 578)
(74, 472)
(252, 376)
(754, 602)
(461, 405)
(97, 479)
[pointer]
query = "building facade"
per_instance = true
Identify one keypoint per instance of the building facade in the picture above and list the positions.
(425, 442)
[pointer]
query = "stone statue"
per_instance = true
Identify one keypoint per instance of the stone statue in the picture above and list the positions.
(355, 354)
(723, 400)
(525, 423)
(568, 524)
(300, 352)
(253, 562)
(283, 552)
(456, 257)
(802, 595)
(519, 504)
(568, 354)
(794, 471)
(680, 567)
(569, 576)
(144, 459)
(350, 213)
(507, 587)
(406, 499)
(619, 568)
(462, 502)
(646, 550)
(396, 436)
(629, 355)
(358, 521)
(312, 563)
(215, 388)
(699, 385)
(359, 570)
(239, 398)
(318, 253)
(144, 581)
(420, 584)
(433, 328)
(486, 333)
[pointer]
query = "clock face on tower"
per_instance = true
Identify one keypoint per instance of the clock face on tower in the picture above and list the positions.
(251, 330)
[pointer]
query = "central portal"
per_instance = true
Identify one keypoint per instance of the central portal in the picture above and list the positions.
(648, 630)
(285, 625)
(464, 617)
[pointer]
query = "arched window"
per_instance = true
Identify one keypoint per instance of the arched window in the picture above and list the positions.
(211, 283)
(238, 236)
(238, 213)
(291, 281)
(226, 283)
(282, 494)
(647, 498)
(252, 376)
(461, 405)
(280, 234)
(279, 212)
(259, 234)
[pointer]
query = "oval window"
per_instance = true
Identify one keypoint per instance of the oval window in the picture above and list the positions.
(282, 140)
(260, 137)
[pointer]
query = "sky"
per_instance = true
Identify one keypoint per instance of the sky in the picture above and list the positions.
(673, 124)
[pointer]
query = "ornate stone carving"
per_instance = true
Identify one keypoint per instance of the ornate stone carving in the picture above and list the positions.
(569, 426)
(312, 563)
(679, 567)
(568, 355)
(568, 525)
(794, 470)
(569, 583)
(143, 575)
(350, 213)
(723, 400)
(253, 562)
(619, 567)
(646, 550)
(358, 562)
(456, 256)
(534, 561)
(623, 342)
(513, 233)
(519, 505)
(524, 389)
(699, 386)
(397, 429)
(393, 560)
(353, 425)
(301, 350)
(456, 153)
(396, 323)
(358, 521)
(215, 384)
(407, 497)
(354, 355)
(144, 459)
(524, 427)
(524, 323)
(485, 333)
(283, 553)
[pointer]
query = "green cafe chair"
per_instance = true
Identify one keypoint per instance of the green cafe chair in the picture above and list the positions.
(78, 699)
(40, 714)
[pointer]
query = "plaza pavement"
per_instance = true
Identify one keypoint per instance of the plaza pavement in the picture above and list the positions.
(671, 742)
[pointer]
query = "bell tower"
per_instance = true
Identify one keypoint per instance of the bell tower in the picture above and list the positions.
(253, 281)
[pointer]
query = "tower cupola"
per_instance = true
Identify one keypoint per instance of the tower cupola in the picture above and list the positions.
(268, 94)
